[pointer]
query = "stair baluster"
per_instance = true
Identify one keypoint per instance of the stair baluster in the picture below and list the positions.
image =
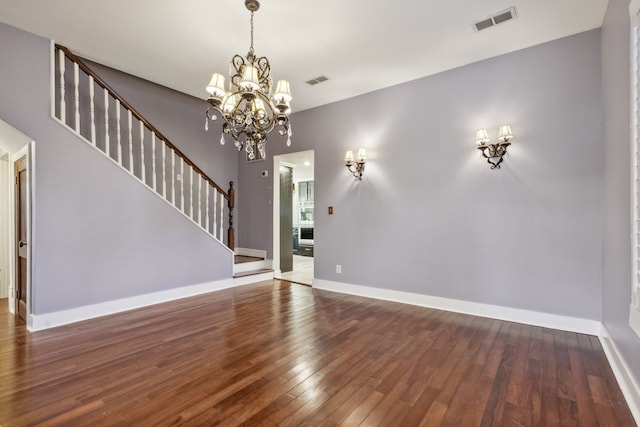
(143, 176)
(93, 110)
(153, 161)
(76, 93)
(107, 143)
(63, 105)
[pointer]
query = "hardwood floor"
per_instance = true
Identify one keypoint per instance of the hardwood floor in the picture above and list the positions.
(276, 353)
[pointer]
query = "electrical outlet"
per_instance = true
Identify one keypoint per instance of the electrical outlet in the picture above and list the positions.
(338, 269)
(178, 177)
(265, 173)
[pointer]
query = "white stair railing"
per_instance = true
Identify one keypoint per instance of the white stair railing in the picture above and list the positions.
(150, 157)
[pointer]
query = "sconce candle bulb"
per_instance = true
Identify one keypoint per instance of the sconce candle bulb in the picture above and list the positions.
(362, 154)
(482, 137)
(505, 133)
(356, 167)
(494, 153)
(348, 157)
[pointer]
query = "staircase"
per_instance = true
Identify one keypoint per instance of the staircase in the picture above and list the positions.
(90, 108)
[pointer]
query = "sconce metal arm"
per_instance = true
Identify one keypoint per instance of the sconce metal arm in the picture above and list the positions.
(356, 169)
(494, 153)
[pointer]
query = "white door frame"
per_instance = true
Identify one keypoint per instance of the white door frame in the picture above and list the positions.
(6, 205)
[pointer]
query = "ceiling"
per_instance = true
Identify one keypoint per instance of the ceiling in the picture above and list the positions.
(360, 45)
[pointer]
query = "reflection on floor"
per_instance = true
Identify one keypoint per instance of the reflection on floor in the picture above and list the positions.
(302, 270)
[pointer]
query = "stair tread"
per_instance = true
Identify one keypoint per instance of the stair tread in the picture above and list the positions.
(253, 272)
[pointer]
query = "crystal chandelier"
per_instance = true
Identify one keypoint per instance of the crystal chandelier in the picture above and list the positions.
(249, 108)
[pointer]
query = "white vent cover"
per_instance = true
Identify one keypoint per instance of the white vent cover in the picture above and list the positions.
(498, 18)
(317, 80)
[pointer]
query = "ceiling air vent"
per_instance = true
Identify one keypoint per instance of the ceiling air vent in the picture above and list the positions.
(482, 25)
(317, 80)
(496, 19)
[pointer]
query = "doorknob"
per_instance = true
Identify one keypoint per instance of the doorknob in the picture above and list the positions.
(22, 244)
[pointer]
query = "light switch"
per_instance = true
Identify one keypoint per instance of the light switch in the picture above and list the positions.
(330, 210)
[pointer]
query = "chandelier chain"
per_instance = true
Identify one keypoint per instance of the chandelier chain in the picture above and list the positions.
(251, 48)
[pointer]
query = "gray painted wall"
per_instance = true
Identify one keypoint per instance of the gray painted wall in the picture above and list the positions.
(430, 217)
(617, 279)
(100, 235)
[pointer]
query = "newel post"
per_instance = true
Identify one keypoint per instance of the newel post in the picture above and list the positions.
(231, 234)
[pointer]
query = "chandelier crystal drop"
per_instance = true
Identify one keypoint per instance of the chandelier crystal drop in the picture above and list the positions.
(250, 108)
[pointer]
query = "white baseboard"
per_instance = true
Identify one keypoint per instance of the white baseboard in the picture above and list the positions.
(546, 320)
(258, 253)
(630, 388)
(51, 320)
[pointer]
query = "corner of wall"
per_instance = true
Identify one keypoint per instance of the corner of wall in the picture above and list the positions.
(629, 386)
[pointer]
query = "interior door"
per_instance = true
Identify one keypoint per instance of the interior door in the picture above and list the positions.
(21, 236)
(286, 219)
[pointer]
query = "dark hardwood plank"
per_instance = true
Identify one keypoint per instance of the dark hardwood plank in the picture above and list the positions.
(276, 353)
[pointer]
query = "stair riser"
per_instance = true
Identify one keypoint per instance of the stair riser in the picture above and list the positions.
(254, 265)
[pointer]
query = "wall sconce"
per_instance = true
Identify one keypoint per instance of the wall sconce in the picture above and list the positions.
(356, 167)
(494, 152)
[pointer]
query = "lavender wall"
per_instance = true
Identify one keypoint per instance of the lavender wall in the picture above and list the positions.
(430, 217)
(100, 235)
(616, 292)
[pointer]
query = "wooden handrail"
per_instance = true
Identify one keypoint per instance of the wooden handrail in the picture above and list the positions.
(140, 117)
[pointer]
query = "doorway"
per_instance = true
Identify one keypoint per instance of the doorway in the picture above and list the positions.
(16, 161)
(293, 217)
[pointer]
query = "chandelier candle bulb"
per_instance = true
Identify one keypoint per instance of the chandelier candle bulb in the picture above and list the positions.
(216, 86)
(229, 104)
(250, 79)
(283, 92)
(258, 104)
